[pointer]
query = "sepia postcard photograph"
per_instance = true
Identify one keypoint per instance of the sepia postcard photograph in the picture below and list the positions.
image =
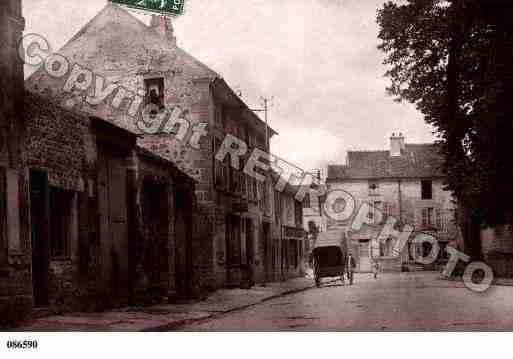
(339, 170)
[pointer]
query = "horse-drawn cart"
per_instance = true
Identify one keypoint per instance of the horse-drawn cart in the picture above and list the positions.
(329, 255)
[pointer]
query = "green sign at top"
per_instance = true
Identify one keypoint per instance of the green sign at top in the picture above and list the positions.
(171, 7)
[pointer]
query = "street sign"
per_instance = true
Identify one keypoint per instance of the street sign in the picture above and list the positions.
(166, 7)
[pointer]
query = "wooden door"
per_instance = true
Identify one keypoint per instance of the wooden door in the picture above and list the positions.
(112, 204)
(40, 217)
(181, 251)
(268, 251)
(118, 222)
(250, 250)
(364, 263)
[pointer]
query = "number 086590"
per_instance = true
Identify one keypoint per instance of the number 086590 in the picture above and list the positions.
(22, 344)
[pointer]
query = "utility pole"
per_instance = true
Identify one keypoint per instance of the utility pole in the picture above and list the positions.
(266, 124)
(267, 102)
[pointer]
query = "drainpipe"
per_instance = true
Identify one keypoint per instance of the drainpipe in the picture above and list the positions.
(400, 198)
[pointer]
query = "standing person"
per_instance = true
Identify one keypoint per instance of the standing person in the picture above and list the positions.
(351, 265)
(375, 269)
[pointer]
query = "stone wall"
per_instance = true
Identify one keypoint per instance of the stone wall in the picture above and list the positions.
(15, 246)
(59, 143)
(56, 142)
(63, 144)
(497, 247)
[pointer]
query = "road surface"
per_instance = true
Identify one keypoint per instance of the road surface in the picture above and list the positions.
(393, 302)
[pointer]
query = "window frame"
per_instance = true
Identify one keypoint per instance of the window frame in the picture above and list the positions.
(306, 201)
(426, 189)
(376, 206)
(148, 85)
(427, 217)
(65, 222)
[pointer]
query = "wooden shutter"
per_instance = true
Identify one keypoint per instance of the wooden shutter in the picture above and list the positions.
(439, 224)
(424, 216)
(40, 223)
(13, 213)
(221, 174)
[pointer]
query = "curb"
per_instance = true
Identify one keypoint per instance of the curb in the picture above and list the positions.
(184, 322)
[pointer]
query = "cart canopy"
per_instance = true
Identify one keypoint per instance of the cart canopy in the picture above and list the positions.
(331, 238)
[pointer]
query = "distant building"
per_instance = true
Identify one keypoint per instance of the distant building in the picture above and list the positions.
(405, 182)
(312, 206)
(290, 245)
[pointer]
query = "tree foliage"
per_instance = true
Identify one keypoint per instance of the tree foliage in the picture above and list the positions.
(451, 59)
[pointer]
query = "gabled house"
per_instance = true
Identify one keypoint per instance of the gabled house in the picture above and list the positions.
(405, 182)
(137, 77)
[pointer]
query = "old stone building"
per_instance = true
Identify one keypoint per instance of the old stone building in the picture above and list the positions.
(118, 67)
(405, 182)
(112, 224)
(313, 220)
(289, 246)
(88, 219)
(15, 247)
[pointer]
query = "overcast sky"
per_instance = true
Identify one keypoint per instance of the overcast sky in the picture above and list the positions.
(318, 58)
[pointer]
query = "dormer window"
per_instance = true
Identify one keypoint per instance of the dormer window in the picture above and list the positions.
(373, 188)
(155, 92)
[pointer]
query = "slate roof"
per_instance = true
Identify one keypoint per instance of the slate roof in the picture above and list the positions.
(177, 172)
(114, 34)
(117, 46)
(417, 161)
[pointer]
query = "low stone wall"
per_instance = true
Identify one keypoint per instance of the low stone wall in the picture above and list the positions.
(497, 245)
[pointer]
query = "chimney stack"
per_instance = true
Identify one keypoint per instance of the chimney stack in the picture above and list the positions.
(164, 27)
(397, 145)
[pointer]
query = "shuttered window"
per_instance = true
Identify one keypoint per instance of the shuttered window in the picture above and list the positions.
(427, 216)
(13, 211)
(221, 171)
(439, 222)
(277, 206)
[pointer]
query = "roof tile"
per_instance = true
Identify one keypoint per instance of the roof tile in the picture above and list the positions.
(417, 161)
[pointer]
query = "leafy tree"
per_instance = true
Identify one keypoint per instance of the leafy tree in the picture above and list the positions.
(453, 60)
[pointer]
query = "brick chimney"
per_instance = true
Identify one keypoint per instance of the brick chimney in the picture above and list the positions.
(164, 27)
(397, 145)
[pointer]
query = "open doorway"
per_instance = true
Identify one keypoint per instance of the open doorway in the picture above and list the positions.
(40, 215)
(155, 253)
